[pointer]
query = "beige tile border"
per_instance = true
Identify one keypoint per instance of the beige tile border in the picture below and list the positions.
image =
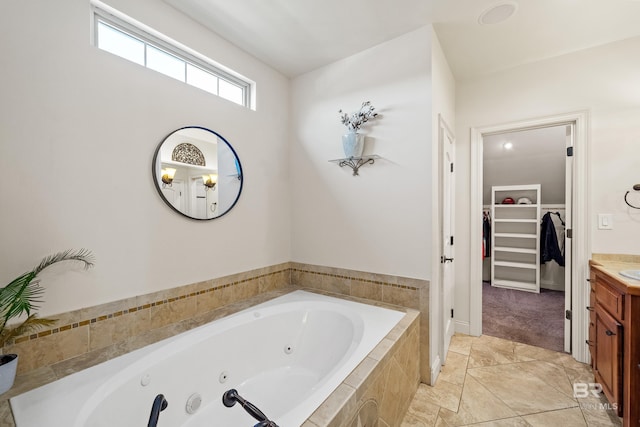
(156, 301)
(134, 309)
(355, 277)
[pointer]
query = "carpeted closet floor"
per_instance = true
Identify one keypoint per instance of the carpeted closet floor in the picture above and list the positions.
(525, 317)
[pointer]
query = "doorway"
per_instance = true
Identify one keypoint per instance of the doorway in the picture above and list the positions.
(578, 229)
(525, 186)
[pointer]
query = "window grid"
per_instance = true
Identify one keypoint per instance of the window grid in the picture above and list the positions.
(116, 24)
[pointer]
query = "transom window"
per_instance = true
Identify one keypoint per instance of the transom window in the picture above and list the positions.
(125, 39)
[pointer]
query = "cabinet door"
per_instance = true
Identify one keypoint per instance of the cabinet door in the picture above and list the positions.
(591, 342)
(592, 319)
(608, 360)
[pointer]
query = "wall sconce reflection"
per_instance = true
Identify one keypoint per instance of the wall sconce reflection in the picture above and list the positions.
(210, 180)
(167, 177)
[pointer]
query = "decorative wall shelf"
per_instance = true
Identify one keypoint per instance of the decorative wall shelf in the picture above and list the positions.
(355, 162)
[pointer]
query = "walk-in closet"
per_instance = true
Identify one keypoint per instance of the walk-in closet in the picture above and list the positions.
(524, 213)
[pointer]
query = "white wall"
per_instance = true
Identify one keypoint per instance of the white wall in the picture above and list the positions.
(604, 80)
(444, 89)
(78, 129)
(379, 221)
(615, 169)
(387, 219)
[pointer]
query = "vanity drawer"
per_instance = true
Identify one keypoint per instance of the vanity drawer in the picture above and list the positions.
(610, 298)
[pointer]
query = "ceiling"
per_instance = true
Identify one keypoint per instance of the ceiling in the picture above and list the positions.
(526, 144)
(537, 156)
(297, 36)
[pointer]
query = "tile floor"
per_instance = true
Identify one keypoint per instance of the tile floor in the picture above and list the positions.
(490, 381)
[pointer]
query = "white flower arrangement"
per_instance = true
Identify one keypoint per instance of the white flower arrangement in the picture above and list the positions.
(354, 121)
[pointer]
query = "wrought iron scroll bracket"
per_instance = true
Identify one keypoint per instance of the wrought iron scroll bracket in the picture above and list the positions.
(356, 162)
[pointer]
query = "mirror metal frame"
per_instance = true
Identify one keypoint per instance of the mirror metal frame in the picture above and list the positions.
(156, 163)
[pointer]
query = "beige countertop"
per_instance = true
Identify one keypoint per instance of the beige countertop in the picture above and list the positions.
(613, 264)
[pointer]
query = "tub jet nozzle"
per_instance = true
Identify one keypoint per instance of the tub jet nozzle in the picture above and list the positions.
(230, 397)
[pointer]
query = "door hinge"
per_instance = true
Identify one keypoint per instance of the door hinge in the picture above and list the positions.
(569, 233)
(452, 167)
(569, 151)
(567, 314)
(451, 240)
(452, 313)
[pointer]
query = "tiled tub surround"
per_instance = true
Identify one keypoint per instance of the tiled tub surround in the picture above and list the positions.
(327, 338)
(89, 336)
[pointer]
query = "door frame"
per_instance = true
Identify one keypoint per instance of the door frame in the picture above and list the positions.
(569, 141)
(581, 214)
(444, 134)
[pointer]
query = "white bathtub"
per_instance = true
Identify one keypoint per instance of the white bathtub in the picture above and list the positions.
(285, 356)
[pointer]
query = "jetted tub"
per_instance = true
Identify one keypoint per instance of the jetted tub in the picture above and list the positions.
(285, 356)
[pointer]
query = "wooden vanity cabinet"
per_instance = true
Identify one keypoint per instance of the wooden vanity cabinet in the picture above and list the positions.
(607, 367)
(614, 342)
(592, 317)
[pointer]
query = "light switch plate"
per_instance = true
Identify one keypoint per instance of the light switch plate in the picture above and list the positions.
(605, 221)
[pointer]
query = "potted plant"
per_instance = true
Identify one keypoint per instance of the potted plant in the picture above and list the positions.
(21, 298)
(353, 142)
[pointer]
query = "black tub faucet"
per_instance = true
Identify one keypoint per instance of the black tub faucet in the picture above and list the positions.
(230, 397)
(159, 405)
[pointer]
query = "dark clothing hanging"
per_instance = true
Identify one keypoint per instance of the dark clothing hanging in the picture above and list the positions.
(486, 236)
(549, 248)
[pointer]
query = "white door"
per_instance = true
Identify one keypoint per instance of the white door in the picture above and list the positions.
(199, 198)
(175, 194)
(447, 197)
(567, 241)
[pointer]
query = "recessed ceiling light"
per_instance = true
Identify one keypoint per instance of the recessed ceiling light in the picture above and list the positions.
(498, 12)
(507, 145)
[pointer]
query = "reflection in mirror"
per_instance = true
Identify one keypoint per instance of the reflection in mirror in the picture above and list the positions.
(197, 173)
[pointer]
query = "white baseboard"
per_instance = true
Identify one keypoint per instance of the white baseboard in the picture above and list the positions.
(462, 327)
(552, 286)
(436, 367)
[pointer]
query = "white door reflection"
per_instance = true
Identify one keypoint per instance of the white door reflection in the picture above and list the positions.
(205, 202)
(173, 194)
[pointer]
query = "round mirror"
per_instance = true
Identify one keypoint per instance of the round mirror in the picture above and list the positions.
(197, 173)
